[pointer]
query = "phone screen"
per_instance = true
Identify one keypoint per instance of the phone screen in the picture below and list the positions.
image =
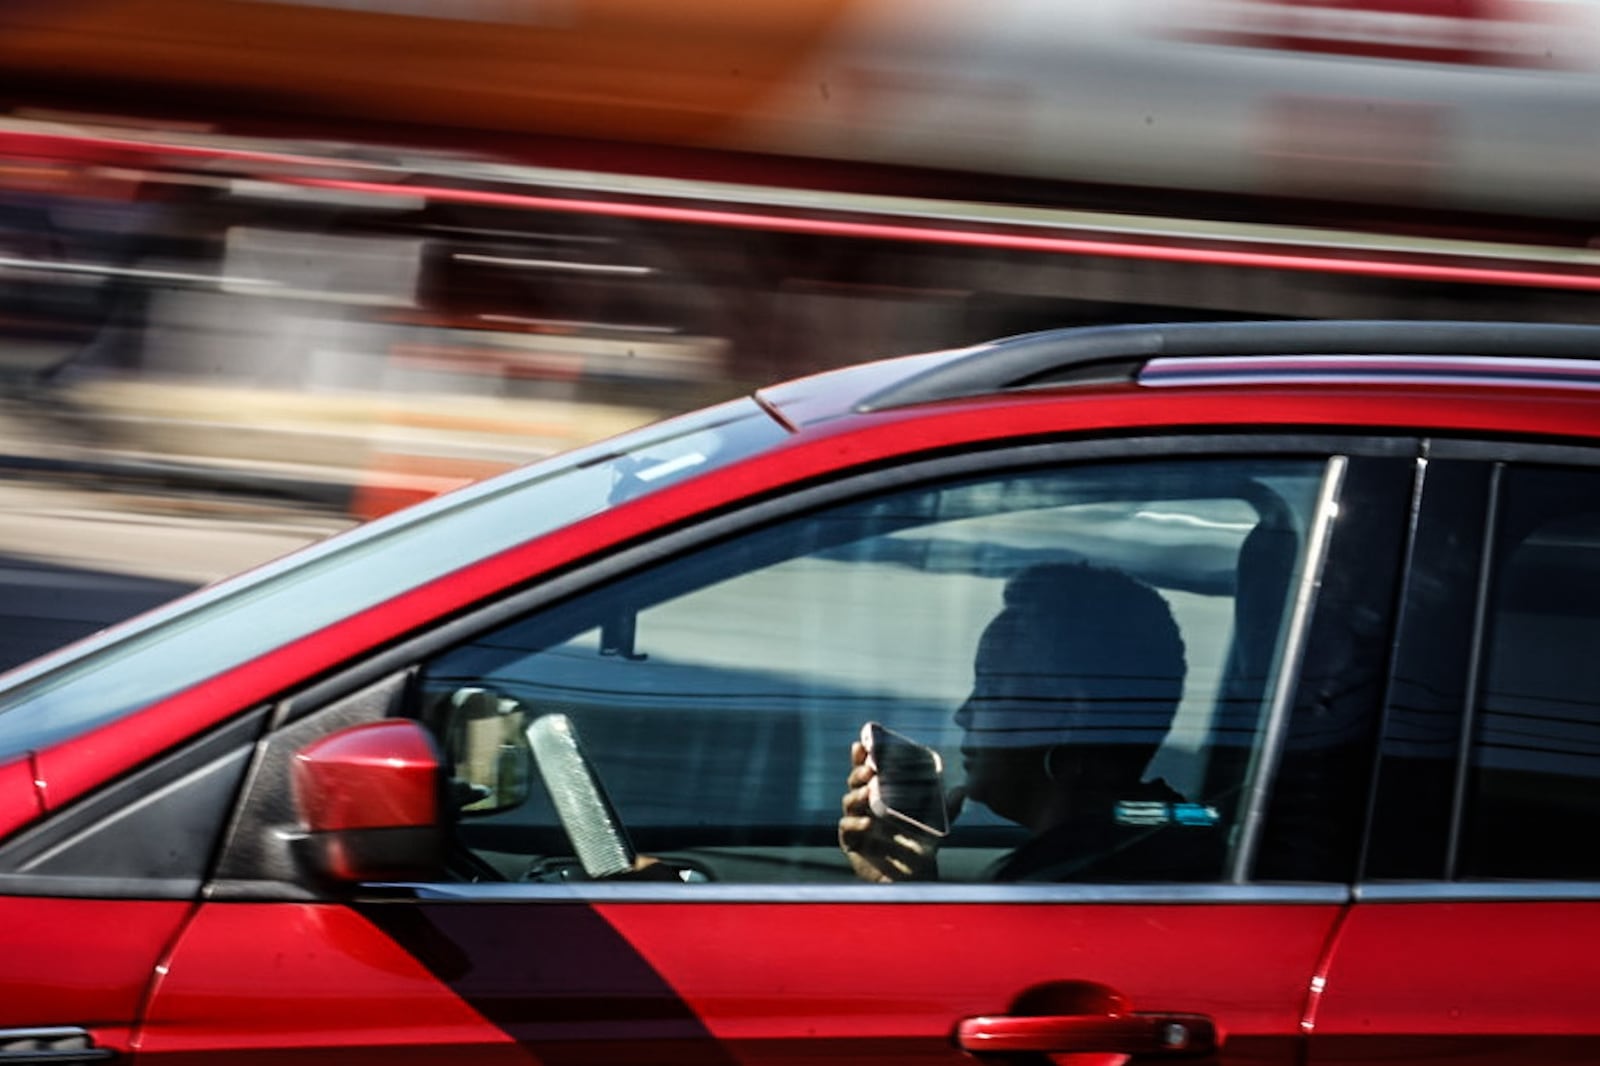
(910, 779)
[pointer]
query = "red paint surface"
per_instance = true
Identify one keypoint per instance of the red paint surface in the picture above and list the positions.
(372, 776)
(707, 982)
(73, 767)
(307, 983)
(1527, 970)
(870, 970)
(792, 983)
(81, 961)
(20, 802)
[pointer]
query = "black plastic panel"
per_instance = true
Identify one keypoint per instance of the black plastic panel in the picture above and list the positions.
(1099, 353)
(1414, 794)
(151, 835)
(1317, 809)
(260, 856)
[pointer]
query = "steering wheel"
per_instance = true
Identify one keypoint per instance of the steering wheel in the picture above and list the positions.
(587, 815)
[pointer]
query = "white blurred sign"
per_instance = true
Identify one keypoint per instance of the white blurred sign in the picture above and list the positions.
(371, 271)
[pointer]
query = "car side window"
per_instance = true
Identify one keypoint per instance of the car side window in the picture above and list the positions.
(1038, 629)
(1533, 776)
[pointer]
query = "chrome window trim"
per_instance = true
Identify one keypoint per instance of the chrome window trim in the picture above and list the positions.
(1275, 731)
(1477, 891)
(44, 1032)
(61, 1044)
(1371, 369)
(900, 894)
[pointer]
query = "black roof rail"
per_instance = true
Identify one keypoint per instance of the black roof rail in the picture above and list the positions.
(1117, 353)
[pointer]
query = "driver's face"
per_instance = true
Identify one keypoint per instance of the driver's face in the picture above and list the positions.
(1026, 694)
(995, 774)
(1017, 703)
(1009, 723)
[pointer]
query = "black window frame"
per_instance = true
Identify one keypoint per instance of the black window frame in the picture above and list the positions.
(1412, 849)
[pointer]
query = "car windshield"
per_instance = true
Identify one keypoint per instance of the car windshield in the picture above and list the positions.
(232, 622)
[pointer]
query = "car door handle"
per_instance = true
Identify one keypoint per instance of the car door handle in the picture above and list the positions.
(50, 1046)
(1126, 1034)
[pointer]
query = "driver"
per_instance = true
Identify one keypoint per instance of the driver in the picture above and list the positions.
(1076, 682)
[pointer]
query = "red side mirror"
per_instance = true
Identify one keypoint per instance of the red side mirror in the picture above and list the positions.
(369, 798)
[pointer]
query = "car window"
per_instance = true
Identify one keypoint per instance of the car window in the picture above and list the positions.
(1028, 626)
(1533, 781)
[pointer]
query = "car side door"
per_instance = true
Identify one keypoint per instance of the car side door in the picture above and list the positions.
(93, 895)
(1472, 936)
(717, 677)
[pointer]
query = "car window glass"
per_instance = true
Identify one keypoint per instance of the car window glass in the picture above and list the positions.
(1025, 626)
(1534, 772)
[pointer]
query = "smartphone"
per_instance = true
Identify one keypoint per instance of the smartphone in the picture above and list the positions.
(909, 781)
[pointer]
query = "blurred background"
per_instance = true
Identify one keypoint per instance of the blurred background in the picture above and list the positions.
(269, 268)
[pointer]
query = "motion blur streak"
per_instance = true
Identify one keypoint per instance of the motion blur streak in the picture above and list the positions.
(1461, 103)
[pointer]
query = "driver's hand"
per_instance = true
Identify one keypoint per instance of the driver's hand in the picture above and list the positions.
(649, 868)
(881, 849)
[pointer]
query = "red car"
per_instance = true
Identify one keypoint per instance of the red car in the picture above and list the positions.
(1232, 690)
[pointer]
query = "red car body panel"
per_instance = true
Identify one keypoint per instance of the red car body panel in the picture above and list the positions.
(688, 981)
(1485, 982)
(82, 961)
(1246, 965)
(73, 767)
(20, 800)
(320, 978)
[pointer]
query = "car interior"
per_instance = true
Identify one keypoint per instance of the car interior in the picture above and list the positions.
(731, 769)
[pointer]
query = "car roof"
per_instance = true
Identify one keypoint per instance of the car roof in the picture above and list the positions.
(1205, 354)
